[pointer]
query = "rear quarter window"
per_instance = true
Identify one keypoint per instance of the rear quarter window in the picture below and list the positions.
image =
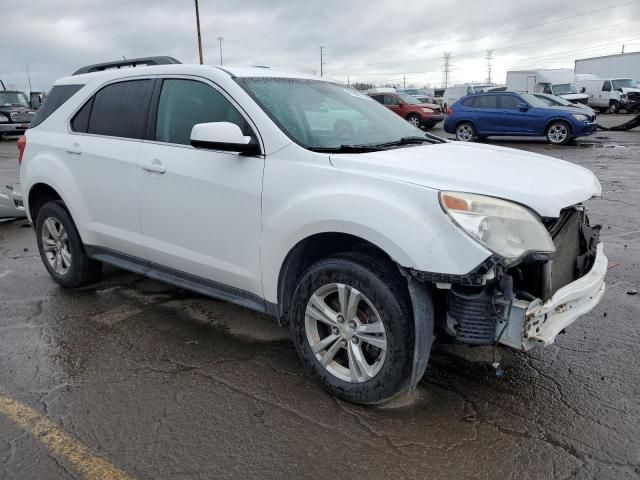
(56, 98)
(469, 102)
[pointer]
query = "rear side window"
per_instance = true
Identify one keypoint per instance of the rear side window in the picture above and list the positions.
(487, 101)
(469, 102)
(57, 96)
(117, 110)
(185, 103)
(378, 98)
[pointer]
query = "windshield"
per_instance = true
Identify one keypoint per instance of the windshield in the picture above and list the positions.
(533, 101)
(625, 83)
(565, 89)
(323, 115)
(17, 99)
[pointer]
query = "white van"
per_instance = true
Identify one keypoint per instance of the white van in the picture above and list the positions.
(553, 81)
(610, 94)
(456, 92)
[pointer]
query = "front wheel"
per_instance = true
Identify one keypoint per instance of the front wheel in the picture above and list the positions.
(414, 120)
(61, 248)
(465, 132)
(614, 106)
(559, 133)
(352, 326)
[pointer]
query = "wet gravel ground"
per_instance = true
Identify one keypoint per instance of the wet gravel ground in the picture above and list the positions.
(162, 383)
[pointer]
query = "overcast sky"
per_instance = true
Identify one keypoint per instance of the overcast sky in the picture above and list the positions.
(370, 40)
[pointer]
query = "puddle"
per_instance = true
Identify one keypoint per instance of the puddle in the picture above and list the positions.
(600, 145)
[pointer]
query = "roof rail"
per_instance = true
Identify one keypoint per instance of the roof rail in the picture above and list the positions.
(133, 62)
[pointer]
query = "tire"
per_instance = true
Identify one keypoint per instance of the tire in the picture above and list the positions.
(414, 119)
(382, 301)
(614, 106)
(465, 132)
(61, 248)
(558, 133)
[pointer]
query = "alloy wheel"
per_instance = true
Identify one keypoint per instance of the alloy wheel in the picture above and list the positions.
(345, 333)
(558, 133)
(55, 243)
(415, 121)
(464, 133)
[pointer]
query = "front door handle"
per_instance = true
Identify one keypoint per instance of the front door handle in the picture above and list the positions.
(154, 166)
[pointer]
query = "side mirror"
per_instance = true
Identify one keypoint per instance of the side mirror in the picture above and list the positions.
(583, 89)
(35, 100)
(225, 136)
(523, 107)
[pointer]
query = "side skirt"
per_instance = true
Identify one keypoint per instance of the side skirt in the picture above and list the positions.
(184, 280)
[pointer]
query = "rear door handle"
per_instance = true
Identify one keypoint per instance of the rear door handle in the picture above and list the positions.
(154, 166)
(74, 149)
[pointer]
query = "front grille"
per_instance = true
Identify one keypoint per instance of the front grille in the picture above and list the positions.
(437, 110)
(633, 96)
(22, 117)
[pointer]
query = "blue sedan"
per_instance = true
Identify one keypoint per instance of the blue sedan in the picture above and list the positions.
(516, 114)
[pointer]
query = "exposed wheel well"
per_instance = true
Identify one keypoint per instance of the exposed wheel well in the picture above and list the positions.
(40, 194)
(314, 248)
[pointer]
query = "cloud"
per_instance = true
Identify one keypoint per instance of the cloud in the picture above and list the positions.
(365, 40)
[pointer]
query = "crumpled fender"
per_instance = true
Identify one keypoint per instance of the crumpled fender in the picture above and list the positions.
(423, 317)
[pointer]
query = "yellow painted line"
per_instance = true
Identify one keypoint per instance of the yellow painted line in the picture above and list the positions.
(59, 443)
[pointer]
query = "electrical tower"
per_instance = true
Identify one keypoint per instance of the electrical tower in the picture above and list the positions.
(489, 57)
(446, 69)
(321, 61)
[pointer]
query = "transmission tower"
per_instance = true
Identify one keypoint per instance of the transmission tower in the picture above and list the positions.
(446, 69)
(489, 57)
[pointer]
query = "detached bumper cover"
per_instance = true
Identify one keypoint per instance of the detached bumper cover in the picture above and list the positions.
(11, 204)
(544, 321)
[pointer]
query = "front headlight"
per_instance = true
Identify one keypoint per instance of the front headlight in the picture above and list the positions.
(4, 119)
(426, 110)
(580, 118)
(505, 228)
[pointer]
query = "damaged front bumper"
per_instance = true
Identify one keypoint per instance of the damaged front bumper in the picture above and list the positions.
(538, 323)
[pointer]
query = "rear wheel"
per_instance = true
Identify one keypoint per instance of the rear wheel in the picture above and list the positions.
(61, 248)
(414, 120)
(352, 326)
(465, 132)
(559, 133)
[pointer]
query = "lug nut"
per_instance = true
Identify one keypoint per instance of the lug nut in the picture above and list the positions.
(340, 319)
(344, 343)
(352, 324)
(335, 330)
(355, 340)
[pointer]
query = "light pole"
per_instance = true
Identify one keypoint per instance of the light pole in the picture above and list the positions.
(220, 39)
(199, 37)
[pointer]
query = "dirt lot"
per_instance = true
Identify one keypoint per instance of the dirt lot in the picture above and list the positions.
(134, 376)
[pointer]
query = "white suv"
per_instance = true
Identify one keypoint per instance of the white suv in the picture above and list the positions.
(304, 199)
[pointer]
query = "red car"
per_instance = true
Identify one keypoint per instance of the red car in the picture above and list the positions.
(410, 108)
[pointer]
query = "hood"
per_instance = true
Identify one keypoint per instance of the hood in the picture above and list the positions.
(432, 106)
(575, 109)
(630, 90)
(544, 184)
(14, 109)
(574, 96)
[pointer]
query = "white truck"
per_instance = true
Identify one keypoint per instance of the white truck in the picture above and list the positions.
(554, 81)
(610, 94)
(611, 66)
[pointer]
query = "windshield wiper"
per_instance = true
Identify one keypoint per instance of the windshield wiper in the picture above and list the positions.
(412, 141)
(348, 149)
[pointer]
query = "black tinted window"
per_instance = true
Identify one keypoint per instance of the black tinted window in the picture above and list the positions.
(469, 102)
(57, 96)
(509, 102)
(80, 121)
(184, 103)
(378, 98)
(606, 87)
(487, 101)
(120, 109)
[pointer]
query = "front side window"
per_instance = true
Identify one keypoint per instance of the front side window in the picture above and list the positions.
(185, 103)
(117, 110)
(547, 89)
(306, 110)
(509, 102)
(408, 99)
(606, 86)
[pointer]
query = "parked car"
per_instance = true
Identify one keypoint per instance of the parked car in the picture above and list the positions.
(553, 81)
(11, 205)
(362, 239)
(610, 94)
(454, 93)
(516, 114)
(419, 114)
(15, 113)
(555, 101)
